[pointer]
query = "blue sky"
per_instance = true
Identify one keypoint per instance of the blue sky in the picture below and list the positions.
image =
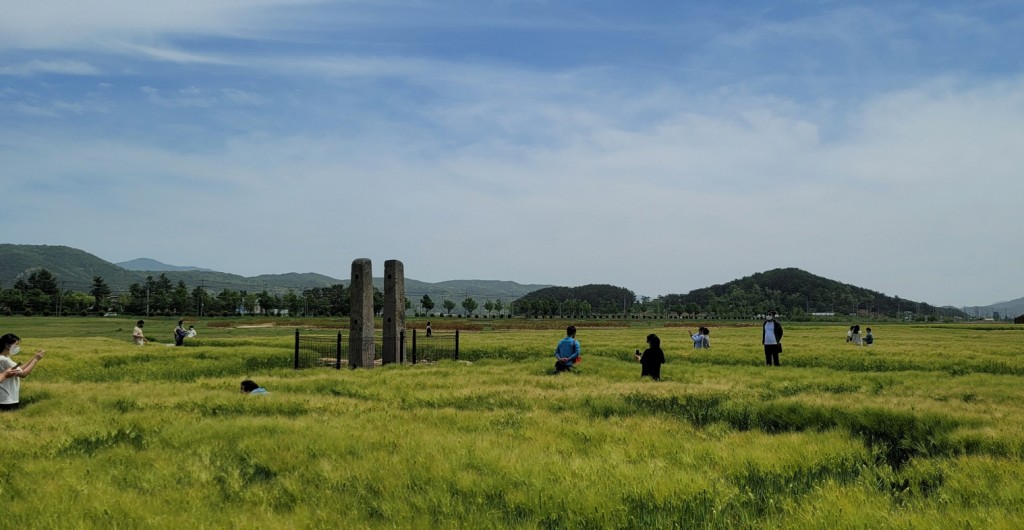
(660, 146)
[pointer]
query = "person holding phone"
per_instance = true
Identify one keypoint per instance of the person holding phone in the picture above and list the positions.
(652, 358)
(10, 385)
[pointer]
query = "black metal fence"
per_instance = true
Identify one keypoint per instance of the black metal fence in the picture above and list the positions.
(316, 351)
(434, 347)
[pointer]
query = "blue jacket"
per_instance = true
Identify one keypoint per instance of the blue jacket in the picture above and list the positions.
(568, 349)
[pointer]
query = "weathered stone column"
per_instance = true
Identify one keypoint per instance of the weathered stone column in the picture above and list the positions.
(360, 331)
(394, 309)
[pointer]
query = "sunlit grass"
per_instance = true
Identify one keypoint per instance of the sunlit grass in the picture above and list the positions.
(922, 430)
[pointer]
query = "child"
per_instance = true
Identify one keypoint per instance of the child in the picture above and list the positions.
(869, 339)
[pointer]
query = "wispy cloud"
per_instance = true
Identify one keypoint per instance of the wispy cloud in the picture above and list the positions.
(65, 67)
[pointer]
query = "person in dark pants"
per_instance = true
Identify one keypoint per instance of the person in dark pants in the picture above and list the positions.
(180, 333)
(652, 358)
(771, 338)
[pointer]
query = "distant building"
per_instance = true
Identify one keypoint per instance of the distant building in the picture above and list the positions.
(1019, 320)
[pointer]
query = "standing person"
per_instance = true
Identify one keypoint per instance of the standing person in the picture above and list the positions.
(567, 352)
(771, 338)
(430, 332)
(700, 338)
(137, 335)
(652, 358)
(180, 333)
(869, 339)
(10, 385)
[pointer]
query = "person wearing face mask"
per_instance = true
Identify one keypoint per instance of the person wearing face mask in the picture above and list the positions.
(771, 338)
(10, 384)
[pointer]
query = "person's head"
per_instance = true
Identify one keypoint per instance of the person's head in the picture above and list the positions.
(869, 330)
(653, 341)
(7, 342)
(570, 331)
(770, 315)
(856, 328)
(249, 386)
(140, 323)
(705, 331)
(181, 322)
(191, 327)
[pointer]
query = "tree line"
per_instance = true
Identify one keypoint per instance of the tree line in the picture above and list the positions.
(40, 293)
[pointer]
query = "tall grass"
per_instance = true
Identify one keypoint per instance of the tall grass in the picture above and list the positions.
(910, 433)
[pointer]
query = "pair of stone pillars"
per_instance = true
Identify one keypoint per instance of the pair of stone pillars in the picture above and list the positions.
(361, 347)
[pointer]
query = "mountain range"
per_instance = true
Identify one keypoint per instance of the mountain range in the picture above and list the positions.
(75, 270)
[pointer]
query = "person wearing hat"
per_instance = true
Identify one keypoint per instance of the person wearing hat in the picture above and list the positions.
(771, 338)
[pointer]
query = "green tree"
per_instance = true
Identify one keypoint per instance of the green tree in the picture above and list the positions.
(426, 303)
(488, 306)
(100, 292)
(469, 305)
(449, 305)
(498, 306)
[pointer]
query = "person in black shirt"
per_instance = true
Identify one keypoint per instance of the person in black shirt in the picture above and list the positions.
(652, 358)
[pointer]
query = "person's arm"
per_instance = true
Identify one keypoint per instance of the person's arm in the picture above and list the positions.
(575, 350)
(27, 369)
(10, 372)
(778, 332)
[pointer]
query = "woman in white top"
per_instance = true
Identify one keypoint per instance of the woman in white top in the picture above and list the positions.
(10, 384)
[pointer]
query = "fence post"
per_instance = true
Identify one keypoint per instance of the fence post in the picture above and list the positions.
(337, 360)
(296, 348)
(456, 345)
(414, 346)
(401, 347)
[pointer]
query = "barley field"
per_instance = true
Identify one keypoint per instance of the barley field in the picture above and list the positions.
(923, 430)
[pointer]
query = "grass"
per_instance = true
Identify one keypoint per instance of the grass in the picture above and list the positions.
(924, 430)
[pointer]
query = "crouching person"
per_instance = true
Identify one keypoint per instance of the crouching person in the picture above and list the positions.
(567, 352)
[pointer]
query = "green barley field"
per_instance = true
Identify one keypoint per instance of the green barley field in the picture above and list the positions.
(923, 430)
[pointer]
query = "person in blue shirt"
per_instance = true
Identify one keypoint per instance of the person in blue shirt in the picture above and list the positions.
(250, 387)
(567, 352)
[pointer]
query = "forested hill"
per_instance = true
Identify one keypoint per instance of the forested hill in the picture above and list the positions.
(594, 298)
(796, 293)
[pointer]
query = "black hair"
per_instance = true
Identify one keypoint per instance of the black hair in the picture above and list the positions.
(570, 331)
(856, 329)
(180, 322)
(249, 386)
(140, 323)
(654, 341)
(705, 331)
(7, 340)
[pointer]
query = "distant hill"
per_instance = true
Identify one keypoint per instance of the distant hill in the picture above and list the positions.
(147, 264)
(76, 269)
(796, 293)
(1010, 309)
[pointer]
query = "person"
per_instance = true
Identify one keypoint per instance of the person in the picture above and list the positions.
(849, 335)
(137, 335)
(250, 387)
(567, 352)
(869, 339)
(430, 332)
(180, 333)
(652, 358)
(700, 339)
(771, 338)
(191, 332)
(10, 385)
(855, 335)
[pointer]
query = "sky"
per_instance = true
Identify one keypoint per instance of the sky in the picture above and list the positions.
(661, 146)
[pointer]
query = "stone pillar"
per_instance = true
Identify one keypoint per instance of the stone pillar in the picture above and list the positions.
(394, 309)
(360, 331)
